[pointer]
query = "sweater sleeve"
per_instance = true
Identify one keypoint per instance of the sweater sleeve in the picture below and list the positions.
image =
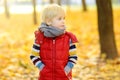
(35, 57)
(72, 50)
(72, 54)
(72, 58)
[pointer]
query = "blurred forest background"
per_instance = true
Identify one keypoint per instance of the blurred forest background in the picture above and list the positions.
(96, 24)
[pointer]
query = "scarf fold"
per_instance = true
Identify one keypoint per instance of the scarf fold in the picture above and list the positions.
(50, 31)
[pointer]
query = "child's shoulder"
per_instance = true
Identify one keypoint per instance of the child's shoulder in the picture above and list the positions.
(70, 33)
(38, 33)
(38, 36)
(72, 37)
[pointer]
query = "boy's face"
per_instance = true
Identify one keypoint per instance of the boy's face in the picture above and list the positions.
(58, 21)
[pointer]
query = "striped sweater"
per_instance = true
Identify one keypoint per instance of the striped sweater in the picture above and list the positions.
(35, 58)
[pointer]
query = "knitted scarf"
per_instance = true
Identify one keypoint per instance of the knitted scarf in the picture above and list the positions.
(50, 31)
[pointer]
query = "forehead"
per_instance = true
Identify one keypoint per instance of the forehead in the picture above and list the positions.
(60, 14)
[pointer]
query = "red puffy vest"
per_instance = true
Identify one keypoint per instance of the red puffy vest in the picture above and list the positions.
(54, 53)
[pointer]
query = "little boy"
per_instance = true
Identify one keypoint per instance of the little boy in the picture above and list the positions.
(54, 49)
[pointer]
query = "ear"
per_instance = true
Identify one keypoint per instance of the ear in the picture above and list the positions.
(48, 21)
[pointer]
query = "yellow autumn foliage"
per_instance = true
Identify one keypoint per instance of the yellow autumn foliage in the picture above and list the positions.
(17, 36)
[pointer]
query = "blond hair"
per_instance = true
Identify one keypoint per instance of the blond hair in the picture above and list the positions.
(51, 11)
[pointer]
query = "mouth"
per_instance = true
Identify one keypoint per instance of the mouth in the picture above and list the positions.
(62, 25)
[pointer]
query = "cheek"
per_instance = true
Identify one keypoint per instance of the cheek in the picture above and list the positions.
(55, 23)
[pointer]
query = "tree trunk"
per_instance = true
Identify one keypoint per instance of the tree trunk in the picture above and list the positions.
(34, 12)
(84, 5)
(68, 5)
(51, 1)
(6, 9)
(105, 27)
(59, 2)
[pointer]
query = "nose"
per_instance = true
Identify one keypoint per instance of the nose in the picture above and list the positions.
(63, 21)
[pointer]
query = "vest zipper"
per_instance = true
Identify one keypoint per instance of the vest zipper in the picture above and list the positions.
(53, 59)
(53, 41)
